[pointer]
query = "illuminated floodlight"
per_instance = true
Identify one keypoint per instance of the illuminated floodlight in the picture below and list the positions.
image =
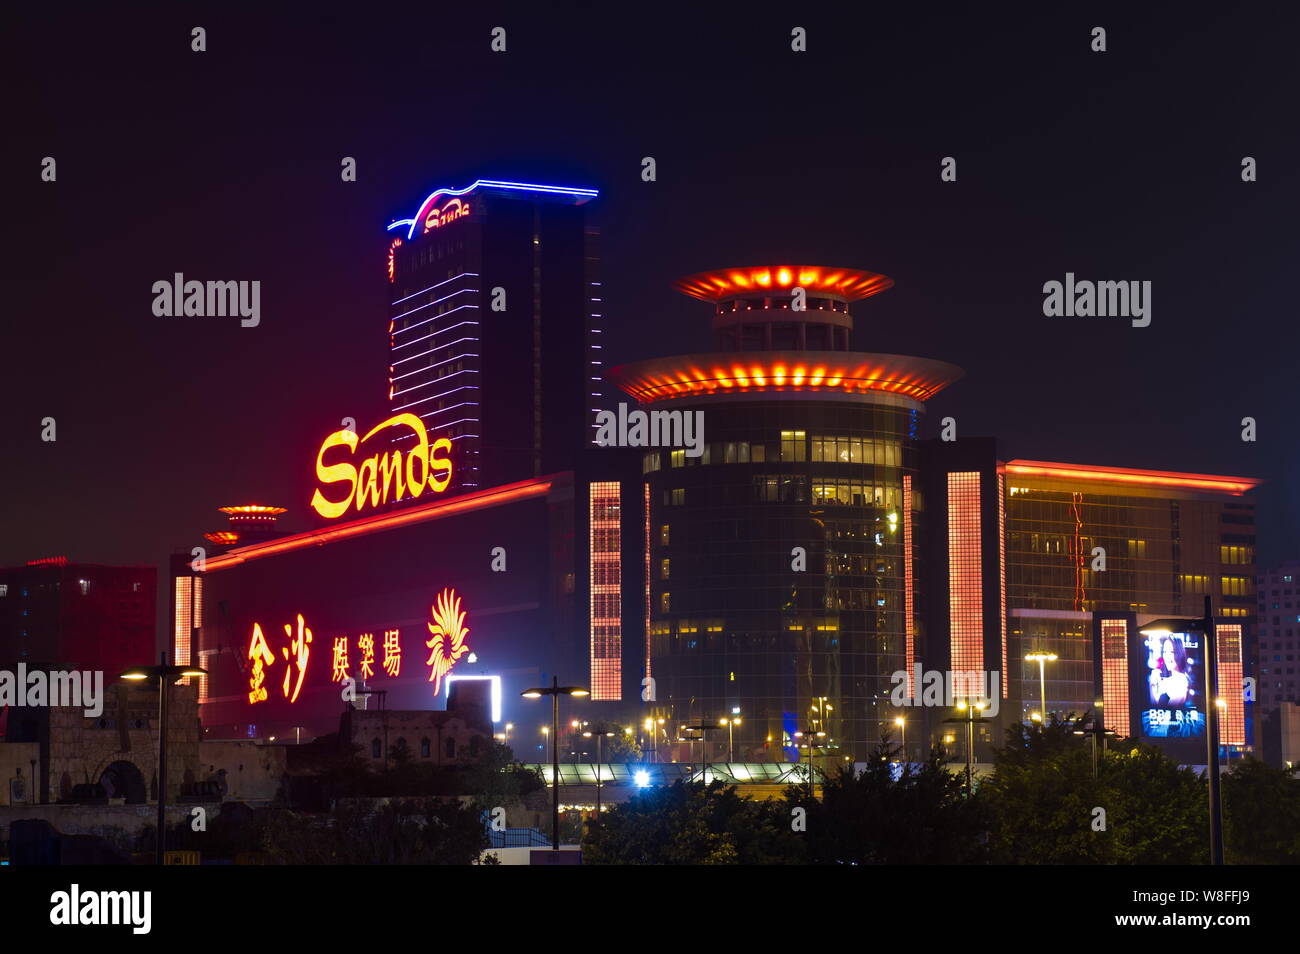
(496, 691)
(641, 777)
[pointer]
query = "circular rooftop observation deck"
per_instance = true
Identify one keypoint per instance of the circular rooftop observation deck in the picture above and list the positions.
(783, 307)
(844, 284)
(823, 374)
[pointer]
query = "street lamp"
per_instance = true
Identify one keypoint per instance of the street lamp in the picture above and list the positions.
(600, 736)
(1042, 659)
(971, 718)
(731, 736)
(902, 725)
(165, 675)
(555, 690)
(704, 729)
(810, 734)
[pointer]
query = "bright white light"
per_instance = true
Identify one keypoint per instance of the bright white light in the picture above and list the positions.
(496, 691)
(642, 778)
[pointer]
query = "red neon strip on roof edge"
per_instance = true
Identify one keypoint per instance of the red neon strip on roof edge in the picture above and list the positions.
(1153, 478)
(435, 510)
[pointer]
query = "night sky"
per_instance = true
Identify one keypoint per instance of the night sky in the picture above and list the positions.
(1123, 165)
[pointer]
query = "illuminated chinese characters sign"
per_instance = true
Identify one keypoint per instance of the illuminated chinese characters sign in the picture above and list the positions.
(297, 654)
(450, 212)
(362, 657)
(384, 476)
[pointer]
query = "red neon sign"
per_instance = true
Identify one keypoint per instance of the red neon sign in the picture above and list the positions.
(450, 212)
(392, 258)
(447, 644)
(385, 475)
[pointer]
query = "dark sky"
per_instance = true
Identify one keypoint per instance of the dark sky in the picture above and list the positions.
(225, 165)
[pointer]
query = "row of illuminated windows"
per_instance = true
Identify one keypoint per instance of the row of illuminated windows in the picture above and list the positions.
(1228, 585)
(856, 450)
(793, 447)
(795, 489)
(1236, 555)
(847, 599)
(854, 493)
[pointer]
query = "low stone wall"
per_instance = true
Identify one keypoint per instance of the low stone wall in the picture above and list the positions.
(107, 821)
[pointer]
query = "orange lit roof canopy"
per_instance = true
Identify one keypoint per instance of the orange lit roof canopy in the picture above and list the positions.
(1211, 483)
(850, 284)
(830, 372)
(252, 509)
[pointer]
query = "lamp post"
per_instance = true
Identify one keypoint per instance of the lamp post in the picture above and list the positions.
(1042, 659)
(731, 736)
(165, 675)
(971, 718)
(704, 729)
(902, 725)
(810, 734)
(600, 737)
(555, 690)
(546, 734)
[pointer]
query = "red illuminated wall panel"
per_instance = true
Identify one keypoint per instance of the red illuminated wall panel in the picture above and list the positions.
(909, 589)
(1232, 719)
(1114, 675)
(965, 591)
(606, 633)
(1002, 575)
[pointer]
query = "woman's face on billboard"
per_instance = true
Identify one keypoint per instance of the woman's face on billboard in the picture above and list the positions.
(1171, 662)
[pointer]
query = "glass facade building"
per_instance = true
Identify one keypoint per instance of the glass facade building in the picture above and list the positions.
(779, 550)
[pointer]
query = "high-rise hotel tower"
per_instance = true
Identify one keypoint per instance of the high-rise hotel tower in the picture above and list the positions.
(494, 326)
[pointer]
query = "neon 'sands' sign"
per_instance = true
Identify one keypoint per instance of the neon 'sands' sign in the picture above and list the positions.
(384, 476)
(450, 212)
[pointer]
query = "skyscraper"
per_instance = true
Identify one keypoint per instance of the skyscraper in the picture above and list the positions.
(494, 326)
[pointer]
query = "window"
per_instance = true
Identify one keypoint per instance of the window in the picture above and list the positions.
(424, 748)
(677, 458)
(4, 589)
(376, 749)
(663, 535)
(663, 569)
(1237, 586)
(1236, 555)
(677, 497)
(449, 748)
(794, 445)
(665, 603)
(1137, 549)
(1194, 584)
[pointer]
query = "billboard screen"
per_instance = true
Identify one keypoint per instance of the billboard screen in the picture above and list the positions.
(1171, 689)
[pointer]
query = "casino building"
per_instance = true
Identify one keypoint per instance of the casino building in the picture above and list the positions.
(817, 554)
(475, 533)
(791, 581)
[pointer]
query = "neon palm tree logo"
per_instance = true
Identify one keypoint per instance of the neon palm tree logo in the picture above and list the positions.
(447, 632)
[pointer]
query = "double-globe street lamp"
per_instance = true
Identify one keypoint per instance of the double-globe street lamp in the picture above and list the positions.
(165, 675)
(555, 690)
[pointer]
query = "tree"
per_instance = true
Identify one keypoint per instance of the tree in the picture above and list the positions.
(872, 817)
(1042, 801)
(416, 831)
(691, 824)
(1261, 814)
